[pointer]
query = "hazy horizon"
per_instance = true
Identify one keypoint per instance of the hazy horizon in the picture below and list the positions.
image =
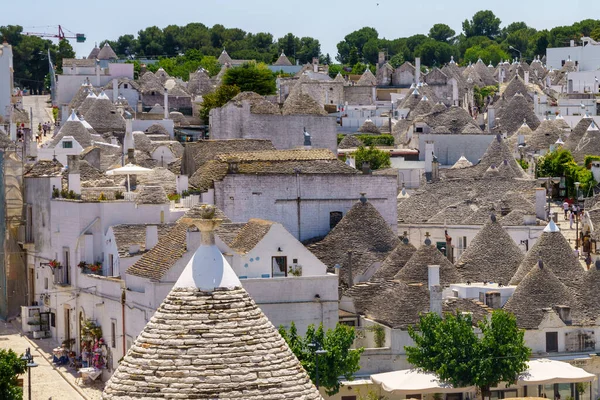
(326, 21)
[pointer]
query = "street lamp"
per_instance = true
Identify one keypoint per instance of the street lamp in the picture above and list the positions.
(517, 50)
(316, 347)
(30, 364)
(577, 184)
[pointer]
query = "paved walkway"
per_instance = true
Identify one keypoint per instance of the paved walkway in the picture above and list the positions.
(48, 382)
(41, 110)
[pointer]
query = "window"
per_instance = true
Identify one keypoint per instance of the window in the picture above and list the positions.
(67, 144)
(113, 334)
(294, 261)
(125, 86)
(334, 218)
(46, 283)
(562, 62)
(551, 342)
(419, 129)
(279, 266)
(110, 270)
(53, 320)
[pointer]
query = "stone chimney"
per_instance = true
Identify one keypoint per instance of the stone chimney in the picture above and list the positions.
(491, 115)
(128, 142)
(74, 178)
(315, 63)
(166, 103)
(435, 170)
(526, 75)
(540, 203)
(232, 166)
(143, 70)
(98, 73)
(417, 70)
(433, 275)
(151, 236)
(366, 168)
(564, 312)
(130, 156)
(493, 300)
(429, 149)
(381, 58)
(435, 299)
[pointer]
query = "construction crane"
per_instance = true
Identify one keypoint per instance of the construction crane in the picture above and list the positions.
(80, 37)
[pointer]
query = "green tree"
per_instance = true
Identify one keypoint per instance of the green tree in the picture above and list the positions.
(493, 53)
(397, 60)
(560, 162)
(251, 77)
(483, 23)
(218, 98)
(357, 40)
(434, 53)
(11, 366)
(340, 359)
(450, 348)
(370, 51)
(377, 159)
(441, 33)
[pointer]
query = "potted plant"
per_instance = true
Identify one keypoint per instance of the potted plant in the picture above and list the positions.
(34, 325)
(295, 270)
(95, 267)
(82, 265)
(54, 264)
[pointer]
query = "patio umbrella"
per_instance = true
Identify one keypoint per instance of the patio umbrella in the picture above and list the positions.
(128, 169)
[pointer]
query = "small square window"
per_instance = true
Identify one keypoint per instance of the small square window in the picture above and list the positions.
(125, 86)
(294, 260)
(67, 144)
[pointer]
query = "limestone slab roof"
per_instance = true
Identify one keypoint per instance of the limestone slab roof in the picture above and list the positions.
(250, 235)
(363, 231)
(104, 117)
(416, 269)
(78, 62)
(155, 263)
(258, 104)
(454, 118)
(367, 79)
(127, 235)
(369, 127)
(588, 145)
(517, 85)
(577, 133)
(76, 130)
(510, 117)
(107, 53)
(546, 134)
(283, 61)
(210, 345)
(350, 142)
(539, 292)
(151, 195)
(557, 255)
(278, 155)
(80, 96)
(42, 169)
(299, 102)
(394, 262)
(492, 256)
(205, 150)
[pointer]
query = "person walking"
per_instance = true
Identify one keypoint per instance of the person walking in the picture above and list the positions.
(588, 260)
(571, 219)
(566, 209)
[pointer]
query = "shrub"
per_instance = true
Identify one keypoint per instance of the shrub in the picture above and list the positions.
(377, 159)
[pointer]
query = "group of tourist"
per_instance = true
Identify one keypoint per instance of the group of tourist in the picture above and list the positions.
(43, 129)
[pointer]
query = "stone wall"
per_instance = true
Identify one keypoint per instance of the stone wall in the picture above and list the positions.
(449, 148)
(359, 95)
(284, 131)
(303, 203)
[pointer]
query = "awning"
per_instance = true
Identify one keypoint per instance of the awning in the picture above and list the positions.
(412, 381)
(544, 371)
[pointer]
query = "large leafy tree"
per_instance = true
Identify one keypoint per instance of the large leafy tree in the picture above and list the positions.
(483, 23)
(11, 366)
(492, 53)
(377, 159)
(450, 348)
(340, 359)
(251, 77)
(355, 40)
(441, 33)
(218, 98)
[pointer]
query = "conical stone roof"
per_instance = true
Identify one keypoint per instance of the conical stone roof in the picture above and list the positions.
(511, 117)
(369, 127)
(517, 85)
(544, 136)
(209, 340)
(107, 53)
(416, 269)
(540, 289)
(557, 255)
(577, 133)
(87, 103)
(462, 163)
(299, 102)
(395, 261)
(103, 116)
(73, 127)
(80, 96)
(589, 143)
(350, 142)
(492, 256)
(283, 61)
(367, 79)
(364, 232)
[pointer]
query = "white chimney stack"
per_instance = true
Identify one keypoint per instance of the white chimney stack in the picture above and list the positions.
(115, 90)
(166, 104)
(526, 73)
(151, 236)
(417, 70)
(433, 275)
(429, 149)
(435, 299)
(540, 203)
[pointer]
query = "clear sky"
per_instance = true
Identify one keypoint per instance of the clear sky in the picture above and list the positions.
(326, 20)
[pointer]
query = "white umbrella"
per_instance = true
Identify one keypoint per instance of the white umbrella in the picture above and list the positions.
(128, 169)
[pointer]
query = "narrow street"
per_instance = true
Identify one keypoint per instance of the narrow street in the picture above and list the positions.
(42, 111)
(46, 382)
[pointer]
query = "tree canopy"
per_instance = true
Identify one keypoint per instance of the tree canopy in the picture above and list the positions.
(450, 348)
(560, 162)
(216, 99)
(11, 366)
(251, 77)
(377, 159)
(339, 360)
